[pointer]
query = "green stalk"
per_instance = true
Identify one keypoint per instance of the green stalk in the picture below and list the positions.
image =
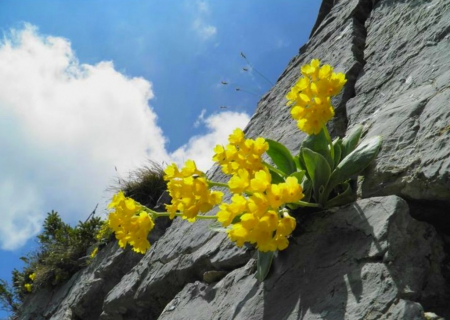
(327, 135)
(307, 204)
(178, 214)
(217, 184)
(281, 173)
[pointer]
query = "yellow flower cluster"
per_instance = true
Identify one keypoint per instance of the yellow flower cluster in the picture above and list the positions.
(130, 223)
(29, 286)
(310, 97)
(260, 220)
(190, 191)
(241, 153)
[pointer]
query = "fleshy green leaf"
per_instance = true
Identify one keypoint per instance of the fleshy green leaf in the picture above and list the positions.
(356, 161)
(217, 227)
(263, 264)
(297, 163)
(281, 157)
(350, 141)
(319, 143)
(319, 172)
(343, 198)
(337, 145)
(307, 190)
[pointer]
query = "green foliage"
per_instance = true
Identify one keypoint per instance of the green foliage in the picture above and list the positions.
(264, 261)
(281, 157)
(61, 253)
(328, 165)
(8, 302)
(324, 168)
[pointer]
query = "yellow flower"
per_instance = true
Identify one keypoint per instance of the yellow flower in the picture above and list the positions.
(190, 191)
(261, 181)
(292, 191)
(310, 97)
(130, 224)
(239, 182)
(94, 252)
(32, 276)
(261, 221)
(241, 153)
(228, 212)
(236, 137)
(28, 287)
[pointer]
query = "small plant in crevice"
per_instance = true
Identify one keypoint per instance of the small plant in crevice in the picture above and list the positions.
(62, 251)
(263, 195)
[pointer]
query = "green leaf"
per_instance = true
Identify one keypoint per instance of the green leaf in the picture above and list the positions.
(263, 264)
(319, 171)
(297, 163)
(281, 157)
(307, 190)
(337, 145)
(351, 140)
(217, 227)
(276, 177)
(347, 196)
(319, 143)
(356, 161)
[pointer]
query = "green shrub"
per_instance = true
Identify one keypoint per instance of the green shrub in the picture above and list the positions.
(62, 252)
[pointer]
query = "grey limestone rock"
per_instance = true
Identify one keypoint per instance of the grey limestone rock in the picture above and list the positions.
(368, 260)
(82, 296)
(402, 94)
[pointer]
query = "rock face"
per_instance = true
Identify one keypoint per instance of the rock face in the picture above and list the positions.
(367, 260)
(352, 263)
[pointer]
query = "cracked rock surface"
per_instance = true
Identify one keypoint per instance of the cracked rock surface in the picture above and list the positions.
(403, 95)
(350, 263)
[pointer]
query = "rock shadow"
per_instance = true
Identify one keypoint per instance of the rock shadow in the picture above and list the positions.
(345, 264)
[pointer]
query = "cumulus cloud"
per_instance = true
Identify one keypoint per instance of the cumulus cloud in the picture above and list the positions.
(201, 147)
(65, 127)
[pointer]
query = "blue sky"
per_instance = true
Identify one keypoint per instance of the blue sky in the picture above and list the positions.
(89, 86)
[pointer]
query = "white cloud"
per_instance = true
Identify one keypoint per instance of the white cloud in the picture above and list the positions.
(66, 126)
(220, 125)
(204, 30)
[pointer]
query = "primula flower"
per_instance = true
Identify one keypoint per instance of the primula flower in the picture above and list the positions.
(28, 287)
(261, 221)
(130, 223)
(269, 232)
(228, 212)
(241, 153)
(310, 97)
(190, 191)
(32, 276)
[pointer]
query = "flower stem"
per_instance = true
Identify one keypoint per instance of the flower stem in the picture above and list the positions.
(327, 135)
(217, 184)
(307, 204)
(281, 173)
(179, 214)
